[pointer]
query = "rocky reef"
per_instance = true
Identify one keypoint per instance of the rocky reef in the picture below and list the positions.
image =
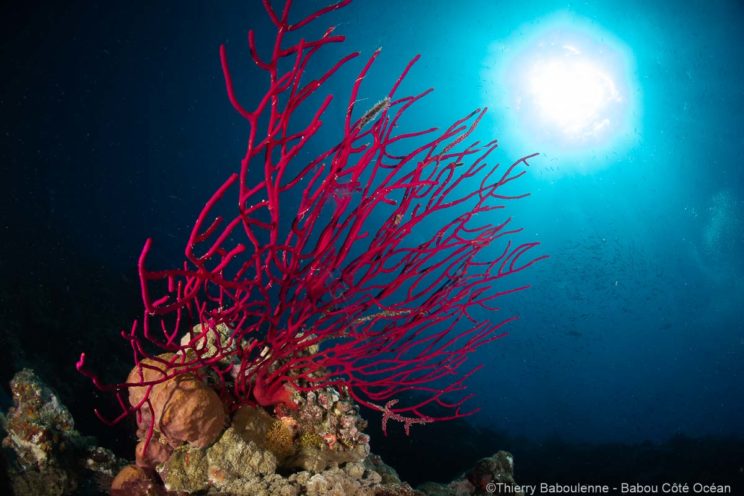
(490, 475)
(43, 453)
(317, 448)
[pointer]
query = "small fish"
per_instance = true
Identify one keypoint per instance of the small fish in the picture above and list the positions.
(372, 113)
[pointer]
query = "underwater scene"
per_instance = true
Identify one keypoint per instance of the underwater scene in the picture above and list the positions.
(414, 248)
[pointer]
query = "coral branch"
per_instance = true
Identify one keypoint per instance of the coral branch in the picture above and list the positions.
(371, 268)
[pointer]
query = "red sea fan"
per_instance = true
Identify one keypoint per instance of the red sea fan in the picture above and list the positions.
(328, 272)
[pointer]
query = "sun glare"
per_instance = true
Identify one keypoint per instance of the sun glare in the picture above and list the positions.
(565, 88)
(573, 95)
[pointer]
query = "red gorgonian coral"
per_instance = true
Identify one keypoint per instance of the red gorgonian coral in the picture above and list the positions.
(361, 268)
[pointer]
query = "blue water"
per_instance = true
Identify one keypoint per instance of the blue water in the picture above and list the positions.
(633, 328)
(116, 127)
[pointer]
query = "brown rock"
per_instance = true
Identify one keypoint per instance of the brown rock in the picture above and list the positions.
(185, 409)
(157, 452)
(135, 481)
(189, 411)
